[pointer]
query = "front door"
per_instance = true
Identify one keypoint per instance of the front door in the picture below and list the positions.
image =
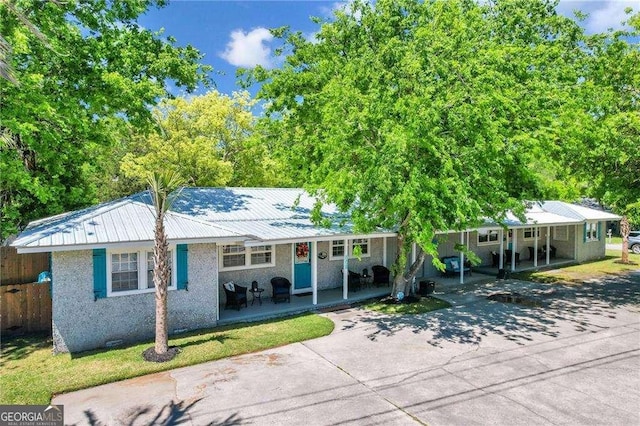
(301, 267)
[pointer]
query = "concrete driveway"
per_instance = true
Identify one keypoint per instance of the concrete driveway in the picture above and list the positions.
(573, 360)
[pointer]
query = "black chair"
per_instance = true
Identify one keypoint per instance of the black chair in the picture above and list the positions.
(236, 297)
(355, 282)
(552, 251)
(495, 259)
(507, 255)
(380, 275)
(281, 289)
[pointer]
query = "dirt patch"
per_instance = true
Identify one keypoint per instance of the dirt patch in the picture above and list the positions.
(151, 355)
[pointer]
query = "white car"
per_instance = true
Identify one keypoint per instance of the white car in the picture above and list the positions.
(634, 241)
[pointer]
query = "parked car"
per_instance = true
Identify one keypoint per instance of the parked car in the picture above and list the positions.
(634, 241)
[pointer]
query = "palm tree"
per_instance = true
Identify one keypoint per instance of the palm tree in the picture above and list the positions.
(163, 188)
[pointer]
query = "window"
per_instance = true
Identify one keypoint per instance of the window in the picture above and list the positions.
(237, 256)
(363, 243)
(132, 272)
(124, 271)
(261, 255)
(338, 248)
(531, 233)
(561, 233)
(591, 231)
(233, 256)
(487, 237)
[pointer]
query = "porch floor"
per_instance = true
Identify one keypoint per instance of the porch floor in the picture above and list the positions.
(333, 297)
(299, 303)
(525, 265)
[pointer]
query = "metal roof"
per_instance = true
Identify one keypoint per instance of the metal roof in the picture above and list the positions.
(248, 204)
(127, 220)
(252, 215)
(577, 212)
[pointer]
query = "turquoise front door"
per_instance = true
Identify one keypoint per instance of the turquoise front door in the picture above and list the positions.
(301, 267)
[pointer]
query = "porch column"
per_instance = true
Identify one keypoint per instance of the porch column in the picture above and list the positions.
(575, 242)
(535, 247)
(501, 262)
(514, 248)
(384, 252)
(314, 272)
(345, 271)
(461, 258)
(548, 246)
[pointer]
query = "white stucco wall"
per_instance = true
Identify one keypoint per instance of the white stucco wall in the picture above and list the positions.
(80, 323)
(590, 250)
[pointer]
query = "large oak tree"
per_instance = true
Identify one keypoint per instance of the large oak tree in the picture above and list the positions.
(85, 72)
(605, 149)
(424, 116)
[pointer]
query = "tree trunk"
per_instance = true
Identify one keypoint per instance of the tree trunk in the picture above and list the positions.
(403, 281)
(624, 232)
(161, 275)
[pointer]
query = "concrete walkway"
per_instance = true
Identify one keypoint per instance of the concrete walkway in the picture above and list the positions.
(575, 360)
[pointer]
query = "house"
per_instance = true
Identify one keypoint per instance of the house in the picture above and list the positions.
(101, 262)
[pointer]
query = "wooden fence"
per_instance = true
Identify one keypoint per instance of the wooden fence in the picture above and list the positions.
(21, 268)
(25, 308)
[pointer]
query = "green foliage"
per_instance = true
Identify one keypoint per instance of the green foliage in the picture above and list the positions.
(208, 140)
(424, 116)
(86, 72)
(603, 149)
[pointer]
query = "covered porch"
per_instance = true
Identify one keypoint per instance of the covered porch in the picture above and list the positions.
(524, 265)
(328, 298)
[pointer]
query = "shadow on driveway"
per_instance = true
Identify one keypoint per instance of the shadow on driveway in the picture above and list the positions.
(469, 324)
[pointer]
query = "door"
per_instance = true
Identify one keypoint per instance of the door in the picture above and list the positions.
(301, 267)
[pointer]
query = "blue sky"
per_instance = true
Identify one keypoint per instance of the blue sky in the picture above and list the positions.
(235, 34)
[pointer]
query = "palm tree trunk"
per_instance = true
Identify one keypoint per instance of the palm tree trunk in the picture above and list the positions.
(161, 276)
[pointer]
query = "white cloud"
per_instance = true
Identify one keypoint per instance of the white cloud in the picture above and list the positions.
(249, 49)
(603, 14)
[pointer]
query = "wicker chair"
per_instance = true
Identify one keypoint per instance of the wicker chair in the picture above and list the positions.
(281, 289)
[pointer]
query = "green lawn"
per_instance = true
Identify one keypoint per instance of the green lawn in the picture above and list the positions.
(426, 304)
(32, 375)
(584, 271)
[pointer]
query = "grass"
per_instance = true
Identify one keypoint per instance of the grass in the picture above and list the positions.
(32, 375)
(584, 271)
(425, 304)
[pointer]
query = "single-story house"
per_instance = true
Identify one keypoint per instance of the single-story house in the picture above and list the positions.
(101, 262)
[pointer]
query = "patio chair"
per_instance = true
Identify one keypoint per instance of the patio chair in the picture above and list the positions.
(355, 282)
(281, 289)
(380, 275)
(507, 257)
(452, 266)
(236, 295)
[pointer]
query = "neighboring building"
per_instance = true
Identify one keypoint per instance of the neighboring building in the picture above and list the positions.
(102, 266)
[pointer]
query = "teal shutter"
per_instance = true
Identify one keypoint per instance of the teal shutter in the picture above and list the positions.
(584, 233)
(599, 231)
(99, 274)
(182, 267)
